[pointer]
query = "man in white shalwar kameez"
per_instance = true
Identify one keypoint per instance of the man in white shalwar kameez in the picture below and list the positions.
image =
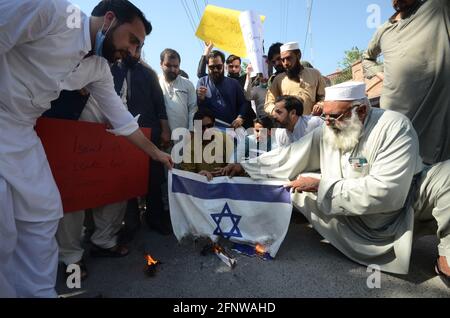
(373, 191)
(48, 46)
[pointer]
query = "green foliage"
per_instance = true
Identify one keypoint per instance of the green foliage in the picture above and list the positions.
(350, 57)
(243, 67)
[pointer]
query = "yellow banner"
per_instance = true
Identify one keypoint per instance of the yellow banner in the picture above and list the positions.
(221, 26)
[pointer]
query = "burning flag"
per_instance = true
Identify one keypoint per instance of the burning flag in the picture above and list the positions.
(244, 211)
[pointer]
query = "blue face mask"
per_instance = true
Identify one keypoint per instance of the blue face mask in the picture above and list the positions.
(100, 38)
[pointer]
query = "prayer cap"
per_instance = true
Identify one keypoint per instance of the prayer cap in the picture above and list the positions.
(291, 46)
(346, 91)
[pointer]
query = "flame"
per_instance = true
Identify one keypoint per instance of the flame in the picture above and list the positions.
(150, 260)
(217, 248)
(260, 249)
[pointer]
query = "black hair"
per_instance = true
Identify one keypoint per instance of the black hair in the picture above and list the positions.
(274, 49)
(171, 54)
(291, 103)
(124, 11)
(215, 54)
(266, 122)
(202, 113)
(184, 74)
(233, 58)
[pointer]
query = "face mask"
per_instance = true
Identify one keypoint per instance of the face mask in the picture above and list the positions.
(100, 38)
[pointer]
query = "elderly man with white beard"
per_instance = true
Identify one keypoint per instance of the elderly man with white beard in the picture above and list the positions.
(373, 191)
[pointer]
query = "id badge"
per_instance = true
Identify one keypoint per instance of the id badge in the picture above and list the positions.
(358, 162)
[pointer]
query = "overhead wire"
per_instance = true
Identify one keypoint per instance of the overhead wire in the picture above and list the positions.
(282, 19)
(191, 19)
(308, 25)
(286, 21)
(197, 9)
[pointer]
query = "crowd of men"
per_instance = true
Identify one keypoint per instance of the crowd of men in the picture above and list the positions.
(368, 180)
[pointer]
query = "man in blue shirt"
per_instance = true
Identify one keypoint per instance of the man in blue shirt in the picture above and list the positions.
(223, 96)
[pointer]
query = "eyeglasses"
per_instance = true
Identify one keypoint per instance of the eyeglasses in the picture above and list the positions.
(218, 67)
(332, 118)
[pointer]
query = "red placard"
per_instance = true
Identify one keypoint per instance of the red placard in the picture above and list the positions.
(92, 167)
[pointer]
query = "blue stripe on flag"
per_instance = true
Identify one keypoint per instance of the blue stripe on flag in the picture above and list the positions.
(232, 191)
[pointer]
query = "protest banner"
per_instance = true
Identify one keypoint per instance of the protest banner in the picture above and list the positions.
(252, 32)
(92, 167)
(222, 27)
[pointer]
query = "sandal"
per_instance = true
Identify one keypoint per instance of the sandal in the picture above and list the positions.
(116, 251)
(444, 277)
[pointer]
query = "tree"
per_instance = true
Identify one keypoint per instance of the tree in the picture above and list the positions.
(350, 58)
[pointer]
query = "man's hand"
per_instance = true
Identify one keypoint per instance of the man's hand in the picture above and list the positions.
(164, 158)
(208, 48)
(238, 122)
(304, 184)
(230, 170)
(201, 93)
(206, 174)
(249, 71)
(317, 109)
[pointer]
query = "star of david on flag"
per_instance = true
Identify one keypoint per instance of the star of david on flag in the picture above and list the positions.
(227, 214)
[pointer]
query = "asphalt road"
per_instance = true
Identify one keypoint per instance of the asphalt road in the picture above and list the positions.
(305, 267)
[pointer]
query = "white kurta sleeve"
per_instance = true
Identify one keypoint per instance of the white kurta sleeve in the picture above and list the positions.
(287, 162)
(110, 104)
(24, 21)
(387, 185)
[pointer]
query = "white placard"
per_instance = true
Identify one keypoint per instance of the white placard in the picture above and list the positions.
(253, 37)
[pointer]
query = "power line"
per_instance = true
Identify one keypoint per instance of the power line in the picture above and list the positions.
(308, 25)
(286, 22)
(197, 10)
(282, 19)
(187, 9)
(190, 18)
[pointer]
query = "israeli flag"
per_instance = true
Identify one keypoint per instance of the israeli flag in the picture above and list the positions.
(239, 209)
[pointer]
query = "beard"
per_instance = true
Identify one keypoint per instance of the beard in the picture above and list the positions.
(402, 5)
(217, 77)
(110, 50)
(294, 72)
(234, 75)
(130, 61)
(344, 136)
(171, 76)
(283, 124)
(279, 69)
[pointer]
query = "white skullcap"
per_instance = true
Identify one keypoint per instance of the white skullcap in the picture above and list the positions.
(291, 46)
(346, 91)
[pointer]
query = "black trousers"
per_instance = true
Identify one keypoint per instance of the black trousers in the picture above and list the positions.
(153, 199)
